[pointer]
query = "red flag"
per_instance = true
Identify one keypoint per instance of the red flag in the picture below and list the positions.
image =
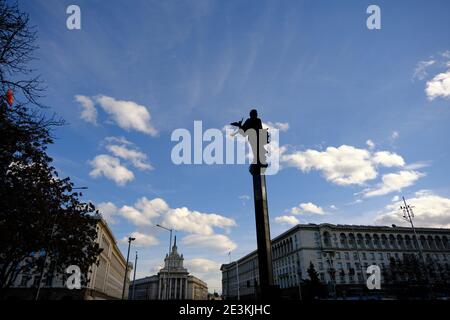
(10, 97)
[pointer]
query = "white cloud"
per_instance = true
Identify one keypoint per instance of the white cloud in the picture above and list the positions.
(216, 242)
(88, 112)
(201, 265)
(370, 144)
(127, 114)
(111, 168)
(395, 135)
(244, 197)
(394, 182)
(136, 157)
(282, 126)
(108, 210)
(118, 140)
(421, 69)
(307, 208)
(388, 159)
(344, 165)
(142, 240)
(147, 212)
(195, 222)
(439, 86)
(333, 207)
(290, 220)
(430, 210)
(206, 270)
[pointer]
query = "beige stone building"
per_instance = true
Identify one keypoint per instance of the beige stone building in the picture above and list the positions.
(340, 254)
(105, 281)
(173, 282)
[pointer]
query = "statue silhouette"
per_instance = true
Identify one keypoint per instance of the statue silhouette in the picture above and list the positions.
(257, 136)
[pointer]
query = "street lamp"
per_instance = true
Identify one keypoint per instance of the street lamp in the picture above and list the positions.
(134, 276)
(167, 294)
(126, 267)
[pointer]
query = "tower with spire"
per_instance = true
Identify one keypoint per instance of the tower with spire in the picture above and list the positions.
(174, 261)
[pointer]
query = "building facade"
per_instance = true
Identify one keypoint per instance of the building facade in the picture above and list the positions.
(173, 282)
(105, 280)
(340, 254)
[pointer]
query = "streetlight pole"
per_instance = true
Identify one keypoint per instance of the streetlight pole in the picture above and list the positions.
(408, 215)
(126, 267)
(134, 275)
(167, 293)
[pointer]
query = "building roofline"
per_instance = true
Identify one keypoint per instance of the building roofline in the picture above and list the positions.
(336, 226)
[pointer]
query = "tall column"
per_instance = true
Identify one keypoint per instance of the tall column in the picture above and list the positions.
(159, 288)
(262, 230)
(186, 288)
(175, 289)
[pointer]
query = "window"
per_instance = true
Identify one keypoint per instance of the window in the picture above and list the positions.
(380, 256)
(355, 255)
(338, 255)
(372, 256)
(364, 256)
(347, 256)
(319, 255)
(320, 266)
(25, 279)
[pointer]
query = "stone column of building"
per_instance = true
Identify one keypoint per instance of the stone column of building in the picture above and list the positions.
(159, 288)
(176, 288)
(181, 288)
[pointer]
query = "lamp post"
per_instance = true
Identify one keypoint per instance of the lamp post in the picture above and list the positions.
(126, 267)
(134, 276)
(408, 215)
(167, 294)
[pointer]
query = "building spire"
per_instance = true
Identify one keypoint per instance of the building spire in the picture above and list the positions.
(174, 248)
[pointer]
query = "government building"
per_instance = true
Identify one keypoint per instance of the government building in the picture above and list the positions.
(340, 255)
(105, 280)
(173, 282)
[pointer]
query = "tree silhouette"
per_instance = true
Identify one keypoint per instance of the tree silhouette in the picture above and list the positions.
(40, 214)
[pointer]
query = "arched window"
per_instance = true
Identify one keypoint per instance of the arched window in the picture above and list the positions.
(384, 241)
(423, 242)
(376, 241)
(431, 243)
(408, 243)
(360, 240)
(445, 242)
(368, 241)
(343, 240)
(400, 242)
(392, 242)
(438, 242)
(351, 240)
(327, 239)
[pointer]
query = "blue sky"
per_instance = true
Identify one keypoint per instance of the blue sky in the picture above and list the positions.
(311, 65)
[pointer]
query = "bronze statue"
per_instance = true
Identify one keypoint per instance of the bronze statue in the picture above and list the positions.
(258, 137)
